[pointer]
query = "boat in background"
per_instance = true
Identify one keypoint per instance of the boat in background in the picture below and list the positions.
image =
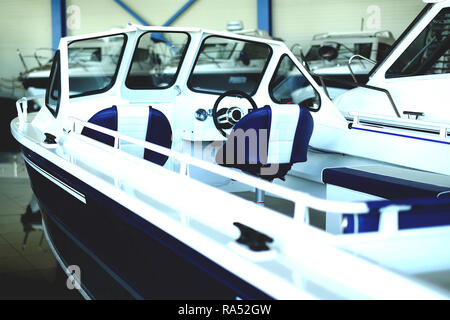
(416, 75)
(330, 53)
(187, 182)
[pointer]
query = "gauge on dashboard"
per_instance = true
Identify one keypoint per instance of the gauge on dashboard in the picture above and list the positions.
(201, 114)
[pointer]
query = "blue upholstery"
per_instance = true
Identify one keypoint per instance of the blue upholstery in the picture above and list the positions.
(383, 186)
(158, 132)
(424, 212)
(256, 159)
(303, 134)
(258, 119)
(428, 207)
(106, 118)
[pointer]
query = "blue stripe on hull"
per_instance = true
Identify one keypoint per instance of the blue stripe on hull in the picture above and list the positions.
(122, 255)
(401, 135)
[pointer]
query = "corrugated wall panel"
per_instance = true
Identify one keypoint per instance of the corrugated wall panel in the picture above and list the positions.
(297, 20)
(25, 25)
(101, 15)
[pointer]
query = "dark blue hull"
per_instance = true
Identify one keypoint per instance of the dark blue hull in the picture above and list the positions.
(120, 254)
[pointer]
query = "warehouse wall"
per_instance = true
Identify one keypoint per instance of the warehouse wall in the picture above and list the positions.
(99, 15)
(297, 20)
(26, 24)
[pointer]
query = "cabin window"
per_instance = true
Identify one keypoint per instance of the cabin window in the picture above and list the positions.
(383, 50)
(313, 53)
(229, 64)
(157, 60)
(429, 53)
(363, 49)
(94, 63)
(345, 51)
(52, 95)
(289, 85)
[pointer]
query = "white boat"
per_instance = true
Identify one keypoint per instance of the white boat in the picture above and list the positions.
(96, 56)
(148, 188)
(330, 52)
(415, 73)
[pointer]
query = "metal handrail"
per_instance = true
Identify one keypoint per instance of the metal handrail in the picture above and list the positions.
(353, 84)
(22, 108)
(441, 128)
(351, 60)
(297, 197)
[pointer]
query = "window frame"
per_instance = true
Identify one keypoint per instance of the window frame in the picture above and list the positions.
(52, 79)
(418, 71)
(179, 64)
(113, 79)
(273, 77)
(405, 33)
(263, 71)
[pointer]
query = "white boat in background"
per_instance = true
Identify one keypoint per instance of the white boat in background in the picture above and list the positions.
(415, 73)
(147, 181)
(329, 56)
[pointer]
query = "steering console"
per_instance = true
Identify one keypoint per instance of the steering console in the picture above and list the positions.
(226, 117)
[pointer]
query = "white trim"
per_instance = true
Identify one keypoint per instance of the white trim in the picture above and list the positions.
(419, 124)
(300, 199)
(283, 127)
(59, 183)
(61, 263)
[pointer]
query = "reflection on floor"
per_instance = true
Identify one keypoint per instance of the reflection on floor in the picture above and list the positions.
(26, 271)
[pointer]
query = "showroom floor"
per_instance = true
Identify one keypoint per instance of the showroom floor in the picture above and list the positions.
(27, 271)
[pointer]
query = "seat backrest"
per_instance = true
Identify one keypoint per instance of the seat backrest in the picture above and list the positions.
(106, 118)
(268, 136)
(157, 130)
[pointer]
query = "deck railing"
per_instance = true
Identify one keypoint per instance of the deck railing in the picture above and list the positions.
(300, 199)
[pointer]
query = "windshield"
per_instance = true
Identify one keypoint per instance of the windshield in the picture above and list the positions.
(93, 64)
(289, 85)
(229, 64)
(217, 50)
(429, 53)
(52, 94)
(156, 60)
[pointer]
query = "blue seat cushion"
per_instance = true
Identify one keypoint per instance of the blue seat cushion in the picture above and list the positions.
(254, 158)
(380, 185)
(106, 118)
(424, 212)
(158, 132)
(302, 137)
(249, 124)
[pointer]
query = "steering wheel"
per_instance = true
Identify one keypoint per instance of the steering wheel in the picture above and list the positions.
(225, 118)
